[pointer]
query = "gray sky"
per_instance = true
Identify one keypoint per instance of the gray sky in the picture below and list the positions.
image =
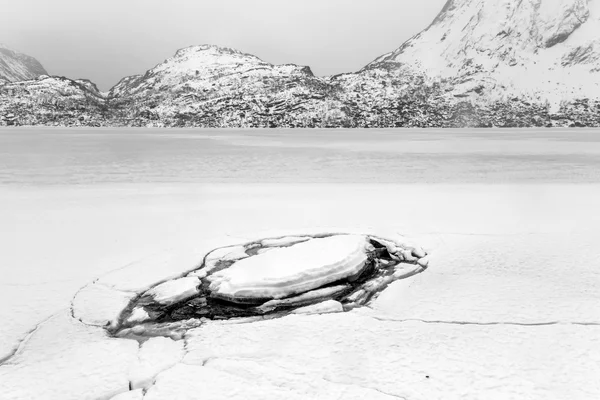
(105, 40)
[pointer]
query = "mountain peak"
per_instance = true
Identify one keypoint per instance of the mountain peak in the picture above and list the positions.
(15, 66)
(208, 53)
(531, 47)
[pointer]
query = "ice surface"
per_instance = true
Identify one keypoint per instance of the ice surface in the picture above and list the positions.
(407, 359)
(284, 241)
(325, 307)
(171, 292)
(503, 280)
(231, 253)
(228, 379)
(291, 270)
(99, 305)
(156, 355)
(189, 382)
(162, 266)
(65, 359)
(305, 298)
(138, 314)
(137, 394)
(501, 254)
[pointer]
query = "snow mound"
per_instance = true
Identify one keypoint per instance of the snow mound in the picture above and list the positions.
(287, 271)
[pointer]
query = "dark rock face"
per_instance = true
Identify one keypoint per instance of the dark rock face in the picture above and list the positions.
(385, 262)
(15, 66)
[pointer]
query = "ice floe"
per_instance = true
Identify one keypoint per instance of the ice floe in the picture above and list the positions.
(326, 307)
(291, 270)
(174, 291)
(241, 281)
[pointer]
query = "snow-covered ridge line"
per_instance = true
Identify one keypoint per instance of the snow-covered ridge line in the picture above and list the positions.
(530, 63)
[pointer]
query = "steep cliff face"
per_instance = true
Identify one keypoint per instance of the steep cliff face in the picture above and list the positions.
(542, 50)
(215, 86)
(15, 66)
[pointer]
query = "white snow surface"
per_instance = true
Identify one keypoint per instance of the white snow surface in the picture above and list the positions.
(542, 49)
(65, 359)
(290, 270)
(401, 359)
(284, 241)
(325, 307)
(504, 259)
(173, 291)
(155, 355)
(138, 314)
(137, 394)
(99, 305)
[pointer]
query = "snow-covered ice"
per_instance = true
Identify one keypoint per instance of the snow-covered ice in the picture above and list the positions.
(291, 270)
(325, 307)
(508, 257)
(171, 292)
(65, 359)
(96, 304)
(155, 355)
(506, 309)
(137, 394)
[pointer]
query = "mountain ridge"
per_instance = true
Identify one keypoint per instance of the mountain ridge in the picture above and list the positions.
(479, 63)
(16, 66)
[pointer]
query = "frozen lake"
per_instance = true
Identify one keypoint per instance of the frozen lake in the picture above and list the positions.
(83, 156)
(507, 309)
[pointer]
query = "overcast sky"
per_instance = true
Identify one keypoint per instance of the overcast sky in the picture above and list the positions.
(105, 40)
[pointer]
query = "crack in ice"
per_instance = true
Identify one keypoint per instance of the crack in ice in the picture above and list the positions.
(491, 323)
(23, 341)
(364, 387)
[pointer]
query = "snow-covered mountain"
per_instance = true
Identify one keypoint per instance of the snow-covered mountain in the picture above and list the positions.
(544, 50)
(216, 86)
(496, 63)
(15, 66)
(480, 63)
(52, 101)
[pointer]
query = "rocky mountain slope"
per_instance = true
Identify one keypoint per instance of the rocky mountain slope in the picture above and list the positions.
(214, 86)
(526, 62)
(52, 101)
(15, 66)
(545, 50)
(480, 63)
